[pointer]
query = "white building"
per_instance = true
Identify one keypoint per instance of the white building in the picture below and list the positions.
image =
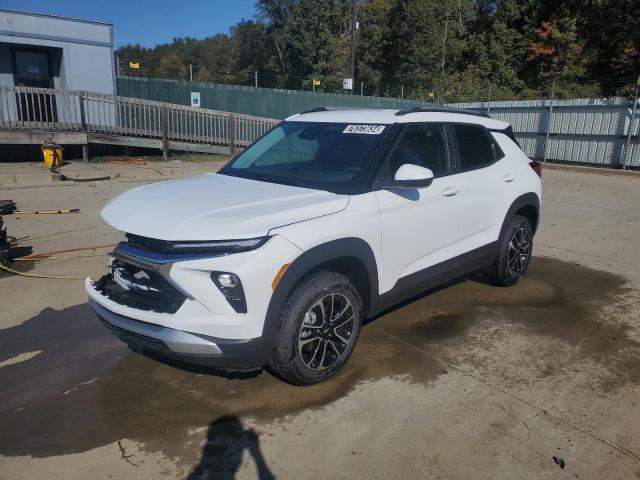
(48, 51)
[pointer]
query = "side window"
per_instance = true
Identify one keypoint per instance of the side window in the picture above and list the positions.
(422, 145)
(475, 149)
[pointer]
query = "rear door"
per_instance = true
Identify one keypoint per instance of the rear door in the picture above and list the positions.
(480, 184)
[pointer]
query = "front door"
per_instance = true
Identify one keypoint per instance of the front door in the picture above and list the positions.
(32, 68)
(417, 224)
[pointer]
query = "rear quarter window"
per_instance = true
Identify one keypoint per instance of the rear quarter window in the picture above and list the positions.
(475, 147)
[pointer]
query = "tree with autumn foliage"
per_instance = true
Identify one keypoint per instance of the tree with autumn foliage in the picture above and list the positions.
(557, 58)
(444, 50)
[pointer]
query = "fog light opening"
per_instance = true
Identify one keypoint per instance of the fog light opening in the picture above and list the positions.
(230, 286)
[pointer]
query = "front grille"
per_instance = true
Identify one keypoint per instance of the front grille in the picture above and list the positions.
(139, 288)
(148, 244)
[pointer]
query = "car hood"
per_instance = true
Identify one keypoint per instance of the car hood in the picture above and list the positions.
(215, 207)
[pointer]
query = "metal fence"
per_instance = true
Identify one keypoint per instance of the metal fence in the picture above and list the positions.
(581, 131)
(49, 110)
(266, 102)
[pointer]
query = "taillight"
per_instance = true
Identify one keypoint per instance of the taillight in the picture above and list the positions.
(536, 167)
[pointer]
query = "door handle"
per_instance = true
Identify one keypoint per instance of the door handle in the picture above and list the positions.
(449, 191)
(508, 178)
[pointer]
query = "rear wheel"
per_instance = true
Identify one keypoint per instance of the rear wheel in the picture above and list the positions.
(319, 327)
(514, 254)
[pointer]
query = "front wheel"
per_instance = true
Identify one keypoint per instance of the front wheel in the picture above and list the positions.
(514, 254)
(319, 328)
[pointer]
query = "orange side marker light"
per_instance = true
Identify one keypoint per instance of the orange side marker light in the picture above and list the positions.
(279, 275)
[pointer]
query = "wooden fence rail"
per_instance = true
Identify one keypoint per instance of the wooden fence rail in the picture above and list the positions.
(102, 118)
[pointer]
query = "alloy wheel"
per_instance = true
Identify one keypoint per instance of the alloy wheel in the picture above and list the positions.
(326, 331)
(519, 251)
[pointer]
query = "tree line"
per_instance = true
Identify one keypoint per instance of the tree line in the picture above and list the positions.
(444, 50)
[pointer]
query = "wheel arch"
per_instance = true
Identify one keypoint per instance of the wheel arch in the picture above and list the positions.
(527, 205)
(350, 256)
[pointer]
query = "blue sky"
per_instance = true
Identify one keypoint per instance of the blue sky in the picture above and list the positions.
(148, 22)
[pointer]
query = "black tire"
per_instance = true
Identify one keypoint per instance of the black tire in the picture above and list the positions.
(309, 306)
(514, 254)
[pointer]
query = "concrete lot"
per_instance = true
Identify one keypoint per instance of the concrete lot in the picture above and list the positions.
(472, 381)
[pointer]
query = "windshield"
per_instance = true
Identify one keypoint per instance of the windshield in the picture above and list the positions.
(319, 155)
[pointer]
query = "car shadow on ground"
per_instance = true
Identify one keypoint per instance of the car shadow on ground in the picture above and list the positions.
(226, 441)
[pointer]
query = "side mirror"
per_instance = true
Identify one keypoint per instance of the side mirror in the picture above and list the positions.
(410, 176)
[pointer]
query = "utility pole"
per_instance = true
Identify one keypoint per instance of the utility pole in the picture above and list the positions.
(255, 78)
(548, 126)
(352, 63)
(634, 110)
(190, 73)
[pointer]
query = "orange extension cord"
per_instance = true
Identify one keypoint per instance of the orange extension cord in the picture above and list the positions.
(65, 250)
(44, 255)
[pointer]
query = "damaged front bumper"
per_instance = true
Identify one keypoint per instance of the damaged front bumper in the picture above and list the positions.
(181, 346)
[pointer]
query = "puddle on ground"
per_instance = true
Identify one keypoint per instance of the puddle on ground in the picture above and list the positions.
(85, 389)
(574, 308)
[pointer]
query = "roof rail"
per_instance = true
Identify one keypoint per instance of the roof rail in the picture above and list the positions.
(438, 109)
(316, 109)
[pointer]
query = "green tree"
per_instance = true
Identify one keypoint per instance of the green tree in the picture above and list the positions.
(427, 39)
(374, 37)
(498, 44)
(172, 66)
(249, 47)
(317, 33)
(275, 14)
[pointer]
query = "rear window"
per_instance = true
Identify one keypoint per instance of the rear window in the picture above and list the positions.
(475, 148)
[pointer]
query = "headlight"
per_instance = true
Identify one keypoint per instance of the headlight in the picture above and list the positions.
(218, 247)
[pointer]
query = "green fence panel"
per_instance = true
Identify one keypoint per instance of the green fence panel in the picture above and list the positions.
(263, 102)
(582, 131)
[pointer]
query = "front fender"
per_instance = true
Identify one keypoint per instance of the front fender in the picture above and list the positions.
(309, 261)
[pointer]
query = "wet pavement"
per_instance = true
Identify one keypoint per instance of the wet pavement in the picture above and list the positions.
(470, 381)
(79, 388)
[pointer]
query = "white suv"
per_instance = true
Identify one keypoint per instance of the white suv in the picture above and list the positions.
(329, 218)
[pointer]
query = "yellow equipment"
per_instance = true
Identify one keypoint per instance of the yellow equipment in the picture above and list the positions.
(52, 154)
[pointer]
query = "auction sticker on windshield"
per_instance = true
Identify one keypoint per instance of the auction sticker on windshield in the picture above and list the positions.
(364, 129)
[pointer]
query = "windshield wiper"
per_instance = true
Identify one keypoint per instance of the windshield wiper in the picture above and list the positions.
(280, 180)
(269, 179)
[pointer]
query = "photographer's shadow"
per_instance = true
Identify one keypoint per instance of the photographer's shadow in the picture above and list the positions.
(222, 453)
